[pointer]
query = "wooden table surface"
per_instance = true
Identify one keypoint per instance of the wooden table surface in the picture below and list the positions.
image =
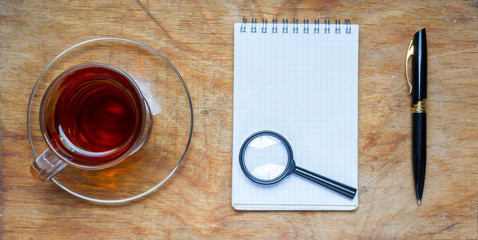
(197, 37)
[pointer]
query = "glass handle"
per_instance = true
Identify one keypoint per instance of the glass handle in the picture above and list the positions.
(338, 187)
(46, 166)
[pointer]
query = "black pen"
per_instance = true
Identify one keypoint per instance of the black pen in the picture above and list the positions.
(418, 89)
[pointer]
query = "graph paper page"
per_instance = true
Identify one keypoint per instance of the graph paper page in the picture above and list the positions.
(305, 87)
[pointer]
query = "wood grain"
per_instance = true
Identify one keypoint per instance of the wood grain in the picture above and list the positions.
(197, 37)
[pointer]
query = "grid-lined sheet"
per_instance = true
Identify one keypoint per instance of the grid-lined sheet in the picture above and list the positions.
(305, 87)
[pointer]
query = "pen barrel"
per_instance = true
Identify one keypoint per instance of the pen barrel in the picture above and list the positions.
(419, 142)
(419, 66)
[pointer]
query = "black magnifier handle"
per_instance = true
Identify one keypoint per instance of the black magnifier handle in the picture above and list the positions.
(340, 188)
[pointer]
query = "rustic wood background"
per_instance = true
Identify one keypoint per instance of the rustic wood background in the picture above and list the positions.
(197, 36)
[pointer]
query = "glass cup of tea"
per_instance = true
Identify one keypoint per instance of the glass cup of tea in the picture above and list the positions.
(92, 116)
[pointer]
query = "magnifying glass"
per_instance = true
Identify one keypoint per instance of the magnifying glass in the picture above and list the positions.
(266, 158)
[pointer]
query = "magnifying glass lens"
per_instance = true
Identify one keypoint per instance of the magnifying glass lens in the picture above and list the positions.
(266, 157)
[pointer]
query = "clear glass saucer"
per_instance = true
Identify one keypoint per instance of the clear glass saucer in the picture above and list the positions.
(172, 121)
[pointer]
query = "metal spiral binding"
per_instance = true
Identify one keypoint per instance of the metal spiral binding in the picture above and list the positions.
(264, 26)
(295, 26)
(274, 25)
(243, 25)
(306, 26)
(348, 28)
(254, 25)
(285, 25)
(326, 26)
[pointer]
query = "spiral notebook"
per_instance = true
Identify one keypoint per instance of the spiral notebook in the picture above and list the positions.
(300, 80)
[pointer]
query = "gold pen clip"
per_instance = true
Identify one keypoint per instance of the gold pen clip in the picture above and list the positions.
(409, 54)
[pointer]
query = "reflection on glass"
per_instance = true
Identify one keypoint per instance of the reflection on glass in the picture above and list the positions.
(263, 142)
(268, 171)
